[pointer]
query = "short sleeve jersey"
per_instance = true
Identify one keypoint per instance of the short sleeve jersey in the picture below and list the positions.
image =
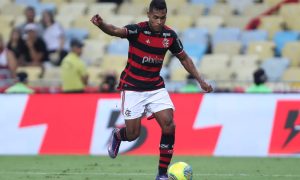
(146, 53)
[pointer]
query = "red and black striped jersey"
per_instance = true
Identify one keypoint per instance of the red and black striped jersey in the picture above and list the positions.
(146, 53)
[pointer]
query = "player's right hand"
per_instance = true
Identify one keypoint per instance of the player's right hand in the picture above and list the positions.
(97, 20)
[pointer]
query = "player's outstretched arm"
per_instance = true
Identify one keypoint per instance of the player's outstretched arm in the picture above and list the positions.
(188, 64)
(108, 28)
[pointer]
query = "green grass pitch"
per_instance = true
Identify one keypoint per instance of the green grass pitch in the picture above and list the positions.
(144, 168)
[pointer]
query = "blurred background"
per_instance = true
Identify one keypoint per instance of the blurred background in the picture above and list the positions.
(228, 40)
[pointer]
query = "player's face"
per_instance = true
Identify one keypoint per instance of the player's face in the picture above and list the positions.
(157, 19)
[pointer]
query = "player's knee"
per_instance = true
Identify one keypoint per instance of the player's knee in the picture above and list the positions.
(169, 127)
(132, 135)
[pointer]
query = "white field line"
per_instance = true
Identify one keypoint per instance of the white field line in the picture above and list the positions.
(146, 174)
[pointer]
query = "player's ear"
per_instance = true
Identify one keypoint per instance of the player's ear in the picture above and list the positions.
(148, 14)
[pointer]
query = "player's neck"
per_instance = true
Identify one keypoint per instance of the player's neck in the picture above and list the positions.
(155, 32)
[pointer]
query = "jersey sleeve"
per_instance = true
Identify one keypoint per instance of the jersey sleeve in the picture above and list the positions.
(176, 46)
(132, 31)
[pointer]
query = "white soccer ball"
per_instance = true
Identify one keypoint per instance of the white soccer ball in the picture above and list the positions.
(180, 171)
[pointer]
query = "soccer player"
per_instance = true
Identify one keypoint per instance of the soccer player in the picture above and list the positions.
(142, 88)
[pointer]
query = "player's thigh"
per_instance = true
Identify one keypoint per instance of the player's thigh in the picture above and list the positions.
(133, 126)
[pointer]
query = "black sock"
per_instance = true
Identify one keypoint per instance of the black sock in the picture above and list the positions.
(166, 152)
(121, 135)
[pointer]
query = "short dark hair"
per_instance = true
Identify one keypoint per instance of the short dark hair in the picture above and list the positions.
(158, 4)
(260, 76)
(22, 76)
(29, 8)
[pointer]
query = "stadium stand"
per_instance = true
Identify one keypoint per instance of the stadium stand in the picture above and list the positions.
(275, 67)
(221, 36)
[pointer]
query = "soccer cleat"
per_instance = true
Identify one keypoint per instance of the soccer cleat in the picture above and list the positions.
(162, 177)
(114, 144)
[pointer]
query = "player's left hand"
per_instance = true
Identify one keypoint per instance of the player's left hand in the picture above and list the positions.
(206, 87)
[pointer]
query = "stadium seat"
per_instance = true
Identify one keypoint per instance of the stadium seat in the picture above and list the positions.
(115, 63)
(93, 50)
(193, 10)
(132, 9)
(27, 2)
(223, 10)
(282, 37)
(179, 23)
(118, 47)
(213, 66)
(95, 75)
(86, 1)
(6, 20)
(239, 6)
(76, 33)
(5, 32)
(140, 19)
(56, 2)
(178, 74)
(104, 8)
(254, 10)
(244, 61)
(195, 35)
(39, 8)
(12, 9)
(249, 64)
(291, 51)
(263, 49)
(228, 47)
(272, 24)
(76, 8)
(226, 34)
(212, 23)
(52, 76)
(275, 67)
(237, 21)
(3, 2)
(119, 20)
(253, 35)
(140, 1)
(83, 22)
(291, 74)
(290, 13)
(195, 50)
(272, 3)
(207, 3)
(177, 2)
(65, 21)
(34, 73)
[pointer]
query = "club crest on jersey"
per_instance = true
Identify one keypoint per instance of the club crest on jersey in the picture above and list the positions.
(165, 43)
(148, 41)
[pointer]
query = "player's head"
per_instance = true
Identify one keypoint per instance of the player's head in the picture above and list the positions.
(22, 77)
(76, 46)
(157, 14)
(259, 76)
(30, 14)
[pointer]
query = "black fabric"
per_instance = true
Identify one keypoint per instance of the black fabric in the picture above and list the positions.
(39, 46)
(166, 152)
